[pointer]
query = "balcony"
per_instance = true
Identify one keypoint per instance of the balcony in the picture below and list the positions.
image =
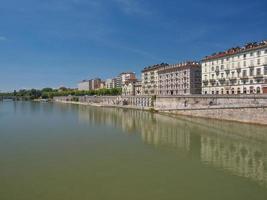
(238, 69)
(244, 77)
(232, 78)
(259, 76)
(205, 82)
(212, 81)
(221, 80)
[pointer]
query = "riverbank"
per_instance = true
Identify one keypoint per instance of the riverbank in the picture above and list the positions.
(246, 109)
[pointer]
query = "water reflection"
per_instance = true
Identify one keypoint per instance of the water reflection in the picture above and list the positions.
(240, 149)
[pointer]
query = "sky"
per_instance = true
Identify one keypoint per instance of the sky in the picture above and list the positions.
(53, 43)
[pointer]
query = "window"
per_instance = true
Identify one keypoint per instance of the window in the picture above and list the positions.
(222, 75)
(258, 53)
(251, 71)
(258, 71)
(222, 67)
(265, 51)
(259, 61)
(233, 74)
(251, 54)
(265, 70)
(244, 56)
(244, 73)
(212, 69)
(245, 63)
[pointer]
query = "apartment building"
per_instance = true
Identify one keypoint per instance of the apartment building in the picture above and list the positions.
(84, 85)
(92, 84)
(110, 83)
(239, 70)
(132, 88)
(122, 78)
(180, 79)
(150, 79)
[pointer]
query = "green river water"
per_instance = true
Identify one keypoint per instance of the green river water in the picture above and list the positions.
(71, 152)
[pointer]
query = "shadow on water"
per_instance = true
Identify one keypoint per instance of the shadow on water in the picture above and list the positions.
(240, 149)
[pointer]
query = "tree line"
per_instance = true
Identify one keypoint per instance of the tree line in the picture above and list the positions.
(49, 93)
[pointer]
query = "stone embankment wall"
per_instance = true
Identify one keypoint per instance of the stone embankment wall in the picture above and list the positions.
(140, 102)
(242, 108)
(210, 102)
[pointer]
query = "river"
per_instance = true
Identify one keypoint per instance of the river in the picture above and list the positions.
(73, 152)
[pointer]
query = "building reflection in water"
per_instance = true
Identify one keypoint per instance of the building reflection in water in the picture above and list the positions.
(240, 149)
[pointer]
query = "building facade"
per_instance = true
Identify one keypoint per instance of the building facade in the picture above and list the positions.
(124, 77)
(93, 84)
(180, 79)
(84, 85)
(150, 79)
(110, 83)
(132, 88)
(236, 71)
(138, 88)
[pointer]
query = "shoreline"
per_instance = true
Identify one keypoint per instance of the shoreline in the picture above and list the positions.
(169, 112)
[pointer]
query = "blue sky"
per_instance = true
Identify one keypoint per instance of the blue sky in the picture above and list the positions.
(59, 42)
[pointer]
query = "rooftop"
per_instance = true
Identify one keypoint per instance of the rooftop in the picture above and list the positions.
(184, 65)
(235, 50)
(154, 67)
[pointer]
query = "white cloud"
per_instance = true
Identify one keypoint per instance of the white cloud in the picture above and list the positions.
(132, 7)
(3, 38)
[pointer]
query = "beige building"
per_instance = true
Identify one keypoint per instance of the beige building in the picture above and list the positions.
(124, 77)
(180, 79)
(110, 83)
(84, 85)
(150, 79)
(92, 84)
(132, 88)
(236, 71)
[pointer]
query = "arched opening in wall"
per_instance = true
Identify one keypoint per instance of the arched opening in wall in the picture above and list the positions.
(227, 92)
(206, 92)
(238, 91)
(212, 92)
(171, 92)
(245, 90)
(258, 90)
(217, 92)
(222, 91)
(233, 90)
(251, 90)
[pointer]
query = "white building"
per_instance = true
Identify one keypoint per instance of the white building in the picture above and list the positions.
(84, 85)
(110, 83)
(236, 71)
(132, 88)
(123, 78)
(150, 79)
